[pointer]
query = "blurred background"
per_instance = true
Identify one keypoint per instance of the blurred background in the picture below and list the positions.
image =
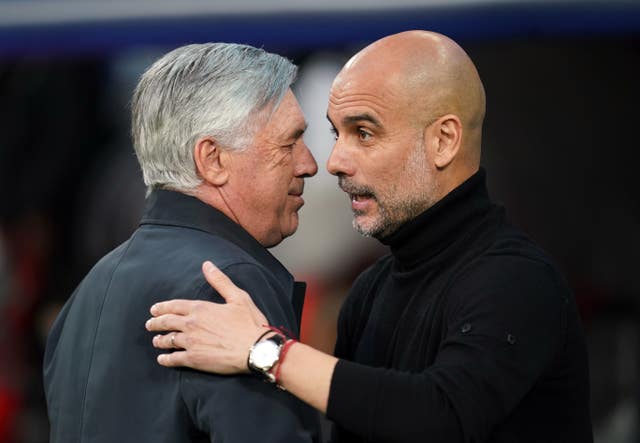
(560, 148)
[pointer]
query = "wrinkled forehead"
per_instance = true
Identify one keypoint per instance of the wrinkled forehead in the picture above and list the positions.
(356, 89)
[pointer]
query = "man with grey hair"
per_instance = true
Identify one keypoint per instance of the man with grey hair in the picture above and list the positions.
(218, 134)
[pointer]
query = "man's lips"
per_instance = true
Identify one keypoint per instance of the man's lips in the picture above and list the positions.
(296, 194)
(360, 202)
(361, 196)
(297, 188)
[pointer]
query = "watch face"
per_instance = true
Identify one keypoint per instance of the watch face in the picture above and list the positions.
(265, 354)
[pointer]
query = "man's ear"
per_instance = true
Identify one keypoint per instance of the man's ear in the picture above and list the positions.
(210, 161)
(445, 136)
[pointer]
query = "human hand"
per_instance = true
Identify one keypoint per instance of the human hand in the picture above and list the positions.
(212, 337)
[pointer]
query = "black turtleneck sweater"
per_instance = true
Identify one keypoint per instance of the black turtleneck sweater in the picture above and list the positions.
(466, 332)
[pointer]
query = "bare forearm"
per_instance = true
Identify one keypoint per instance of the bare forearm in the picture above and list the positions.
(306, 373)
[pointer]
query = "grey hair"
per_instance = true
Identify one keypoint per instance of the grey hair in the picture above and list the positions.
(222, 90)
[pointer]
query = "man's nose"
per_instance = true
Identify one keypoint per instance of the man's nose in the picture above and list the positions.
(339, 162)
(306, 165)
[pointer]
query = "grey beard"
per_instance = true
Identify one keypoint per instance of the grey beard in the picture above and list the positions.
(390, 221)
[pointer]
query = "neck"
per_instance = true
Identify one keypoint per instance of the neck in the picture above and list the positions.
(447, 221)
(216, 197)
(455, 175)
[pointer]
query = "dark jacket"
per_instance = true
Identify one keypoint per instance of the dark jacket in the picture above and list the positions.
(468, 332)
(102, 381)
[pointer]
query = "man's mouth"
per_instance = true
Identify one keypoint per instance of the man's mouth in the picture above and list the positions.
(297, 189)
(360, 197)
(357, 193)
(296, 193)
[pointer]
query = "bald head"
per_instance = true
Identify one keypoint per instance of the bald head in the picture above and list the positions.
(407, 114)
(428, 73)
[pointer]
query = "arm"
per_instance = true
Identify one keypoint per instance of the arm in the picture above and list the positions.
(475, 382)
(504, 327)
(217, 337)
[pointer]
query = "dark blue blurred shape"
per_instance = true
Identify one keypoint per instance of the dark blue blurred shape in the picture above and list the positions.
(291, 31)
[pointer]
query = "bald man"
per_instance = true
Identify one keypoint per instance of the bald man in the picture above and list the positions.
(466, 331)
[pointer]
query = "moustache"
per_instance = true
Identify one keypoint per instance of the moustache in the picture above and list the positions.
(353, 188)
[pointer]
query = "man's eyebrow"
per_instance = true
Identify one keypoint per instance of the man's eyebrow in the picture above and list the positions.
(350, 119)
(298, 132)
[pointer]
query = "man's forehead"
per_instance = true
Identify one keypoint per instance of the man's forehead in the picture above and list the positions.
(352, 86)
(353, 105)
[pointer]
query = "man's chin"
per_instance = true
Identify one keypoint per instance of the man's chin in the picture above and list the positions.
(292, 227)
(276, 237)
(377, 228)
(367, 228)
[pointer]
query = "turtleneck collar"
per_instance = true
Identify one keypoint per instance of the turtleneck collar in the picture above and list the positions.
(421, 239)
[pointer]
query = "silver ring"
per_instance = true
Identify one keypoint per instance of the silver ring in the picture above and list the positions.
(173, 340)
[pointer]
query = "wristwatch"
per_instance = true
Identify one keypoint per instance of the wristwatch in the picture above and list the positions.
(264, 355)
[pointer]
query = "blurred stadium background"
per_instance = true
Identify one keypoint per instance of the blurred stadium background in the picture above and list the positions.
(560, 147)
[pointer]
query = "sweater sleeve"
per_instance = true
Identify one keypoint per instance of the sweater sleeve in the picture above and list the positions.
(505, 321)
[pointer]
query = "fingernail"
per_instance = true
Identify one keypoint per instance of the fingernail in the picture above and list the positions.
(208, 266)
(161, 358)
(148, 324)
(153, 309)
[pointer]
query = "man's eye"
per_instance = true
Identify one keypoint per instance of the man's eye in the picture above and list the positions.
(334, 132)
(364, 135)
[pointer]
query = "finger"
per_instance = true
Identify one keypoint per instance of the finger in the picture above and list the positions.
(221, 283)
(165, 342)
(174, 359)
(166, 322)
(182, 307)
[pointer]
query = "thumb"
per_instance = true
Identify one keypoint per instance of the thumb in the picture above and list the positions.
(221, 283)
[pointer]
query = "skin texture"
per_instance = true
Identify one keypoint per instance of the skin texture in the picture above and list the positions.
(198, 337)
(407, 112)
(398, 121)
(260, 188)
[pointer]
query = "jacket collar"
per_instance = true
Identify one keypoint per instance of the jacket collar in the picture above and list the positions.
(171, 208)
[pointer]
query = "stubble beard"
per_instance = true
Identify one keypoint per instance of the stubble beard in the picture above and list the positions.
(401, 202)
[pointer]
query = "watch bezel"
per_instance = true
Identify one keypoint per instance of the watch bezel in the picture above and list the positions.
(263, 370)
